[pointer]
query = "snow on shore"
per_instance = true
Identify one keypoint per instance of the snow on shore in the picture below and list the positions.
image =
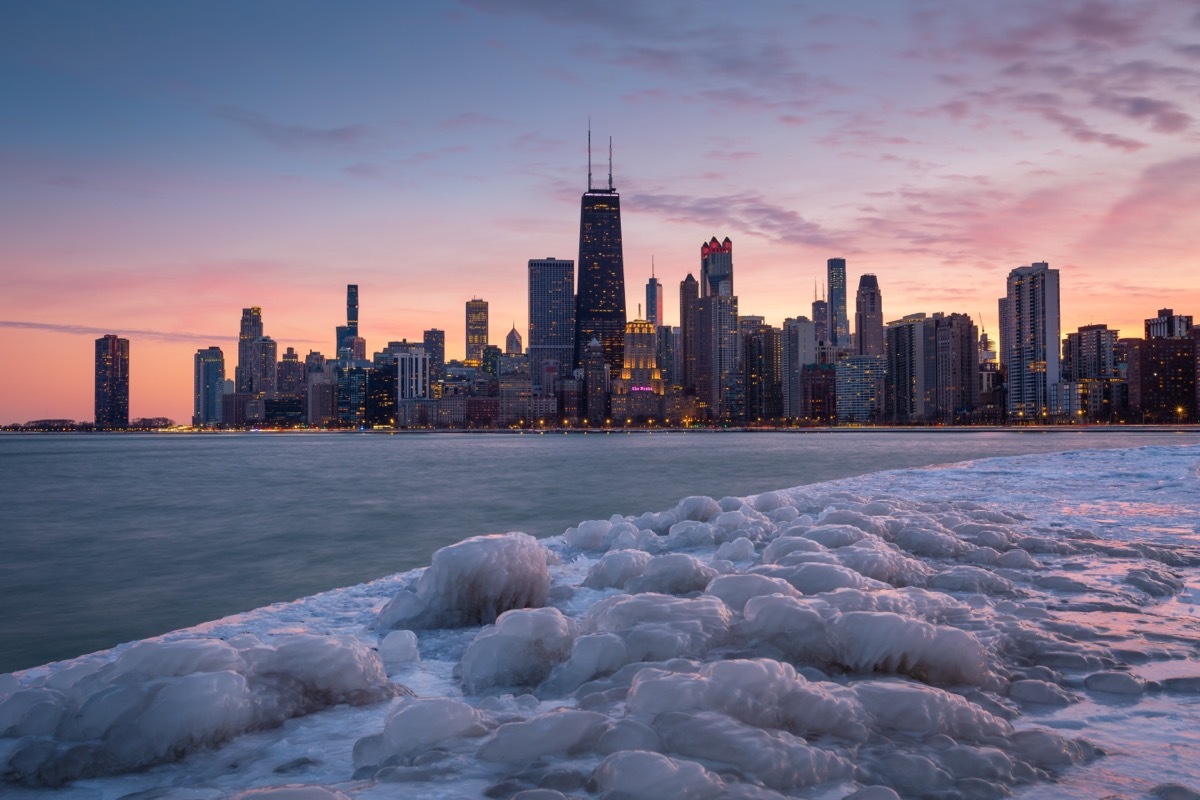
(1008, 626)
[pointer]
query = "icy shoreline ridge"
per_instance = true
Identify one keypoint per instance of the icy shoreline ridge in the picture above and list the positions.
(829, 641)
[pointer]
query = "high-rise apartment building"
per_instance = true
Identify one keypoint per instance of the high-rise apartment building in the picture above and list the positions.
(716, 268)
(654, 301)
(413, 374)
(600, 302)
(1090, 354)
(868, 317)
(112, 383)
(715, 323)
(515, 387)
(956, 379)
(251, 330)
(762, 368)
(551, 317)
(1030, 340)
(1162, 379)
(209, 386)
(839, 322)
(435, 348)
(1092, 387)
(477, 330)
(290, 376)
(860, 382)
(798, 350)
(596, 378)
(668, 354)
(709, 323)
(689, 295)
(910, 370)
(931, 369)
(1169, 325)
(264, 372)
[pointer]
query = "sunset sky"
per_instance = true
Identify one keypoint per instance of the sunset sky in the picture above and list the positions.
(164, 164)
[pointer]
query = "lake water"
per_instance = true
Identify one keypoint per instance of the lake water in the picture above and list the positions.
(112, 538)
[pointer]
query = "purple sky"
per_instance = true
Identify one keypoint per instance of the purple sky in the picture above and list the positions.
(163, 165)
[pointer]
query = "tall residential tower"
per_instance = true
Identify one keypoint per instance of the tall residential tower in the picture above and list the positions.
(477, 330)
(1030, 341)
(551, 317)
(251, 331)
(112, 383)
(839, 322)
(868, 317)
(209, 387)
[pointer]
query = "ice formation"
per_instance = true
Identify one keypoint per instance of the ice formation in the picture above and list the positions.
(877, 638)
(160, 700)
(472, 583)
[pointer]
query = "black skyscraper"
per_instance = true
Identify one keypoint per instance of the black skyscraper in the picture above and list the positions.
(600, 302)
(346, 333)
(112, 383)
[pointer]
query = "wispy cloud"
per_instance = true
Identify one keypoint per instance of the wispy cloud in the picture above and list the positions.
(747, 211)
(290, 136)
(84, 330)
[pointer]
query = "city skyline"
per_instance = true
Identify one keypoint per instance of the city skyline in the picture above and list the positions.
(154, 195)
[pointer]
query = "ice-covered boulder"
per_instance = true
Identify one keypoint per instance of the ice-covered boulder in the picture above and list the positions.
(698, 508)
(796, 627)
(419, 724)
(615, 568)
(398, 648)
(735, 590)
(776, 758)
(519, 650)
(558, 731)
(868, 641)
(921, 710)
(472, 583)
(740, 549)
(759, 692)
(158, 701)
(656, 627)
(593, 656)
(674, 573)
(688, 534)
(641, 775)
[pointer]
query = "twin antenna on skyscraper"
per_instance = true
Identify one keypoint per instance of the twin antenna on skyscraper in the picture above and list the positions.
(610, 183)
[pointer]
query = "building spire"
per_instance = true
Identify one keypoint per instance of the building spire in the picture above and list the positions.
(651, 266)
(589, 154)
(610, 186)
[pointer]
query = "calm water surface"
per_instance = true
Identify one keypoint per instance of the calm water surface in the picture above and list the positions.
(112, 538)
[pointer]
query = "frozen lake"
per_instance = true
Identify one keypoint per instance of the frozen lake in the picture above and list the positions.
(108, 539)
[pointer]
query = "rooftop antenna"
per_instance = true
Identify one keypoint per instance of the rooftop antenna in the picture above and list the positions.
(589, 154)
(651, 266)
(814, 290)
(610, 186)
